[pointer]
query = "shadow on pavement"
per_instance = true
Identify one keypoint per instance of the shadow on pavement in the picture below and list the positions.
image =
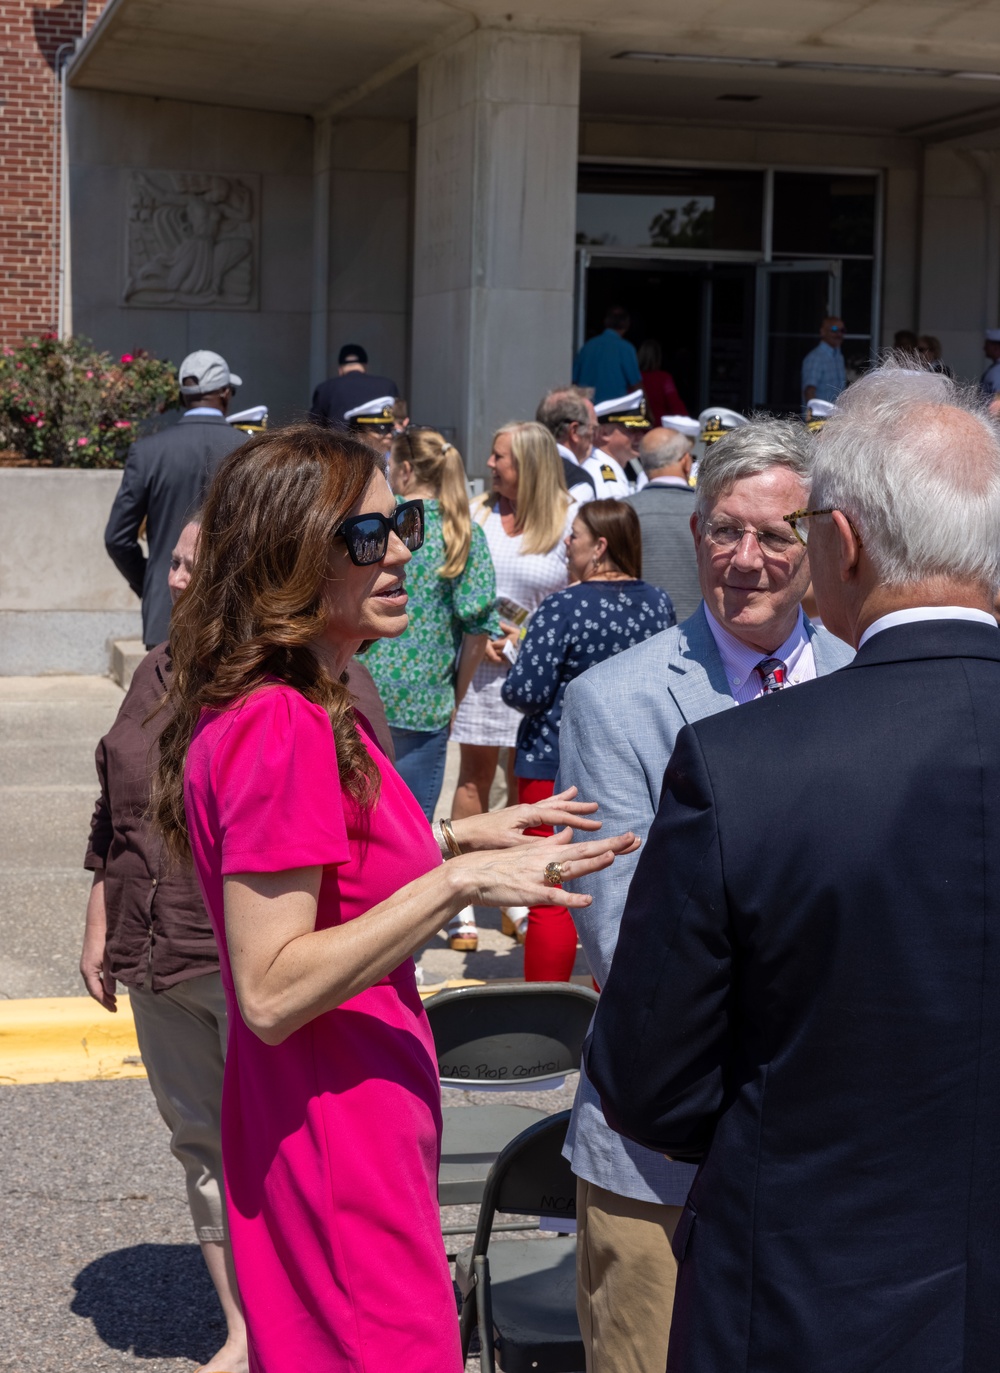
(153, 1300)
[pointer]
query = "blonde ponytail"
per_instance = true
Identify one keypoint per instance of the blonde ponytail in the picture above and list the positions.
(438, 464)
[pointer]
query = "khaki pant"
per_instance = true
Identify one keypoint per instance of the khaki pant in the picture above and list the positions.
(625, 1277)
(182, 1039)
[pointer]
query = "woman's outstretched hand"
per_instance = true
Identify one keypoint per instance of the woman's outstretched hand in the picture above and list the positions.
(517, 876)
(503, 829)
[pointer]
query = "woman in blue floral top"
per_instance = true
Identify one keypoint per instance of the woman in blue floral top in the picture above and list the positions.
(606, 609)
(452, 610)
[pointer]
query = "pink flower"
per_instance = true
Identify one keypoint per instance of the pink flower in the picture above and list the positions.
(123, 424)
(89, 375)
(82, 443)
(127, 357)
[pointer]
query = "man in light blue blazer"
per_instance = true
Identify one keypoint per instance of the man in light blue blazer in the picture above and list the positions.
(620, 720)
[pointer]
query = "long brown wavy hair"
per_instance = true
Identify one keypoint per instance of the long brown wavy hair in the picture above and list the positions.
(255, 603)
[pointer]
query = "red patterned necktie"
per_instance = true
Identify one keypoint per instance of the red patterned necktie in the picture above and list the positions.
(772, 671)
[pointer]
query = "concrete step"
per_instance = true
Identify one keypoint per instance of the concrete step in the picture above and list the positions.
(126, 655)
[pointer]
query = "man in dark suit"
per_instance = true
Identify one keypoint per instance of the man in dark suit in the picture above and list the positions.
(565, 415)
(353, 385)
(805, 996)
(164, 482)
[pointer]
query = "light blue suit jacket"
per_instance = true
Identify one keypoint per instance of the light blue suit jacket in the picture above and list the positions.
(619, 724)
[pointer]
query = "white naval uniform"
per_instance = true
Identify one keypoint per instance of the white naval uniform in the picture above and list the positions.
(989, 382)
(610, 480)
(581, 492)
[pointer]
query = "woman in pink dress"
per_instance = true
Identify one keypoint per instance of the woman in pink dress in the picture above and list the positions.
(322, 877)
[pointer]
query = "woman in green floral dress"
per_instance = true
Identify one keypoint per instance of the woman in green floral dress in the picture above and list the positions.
(422, 675)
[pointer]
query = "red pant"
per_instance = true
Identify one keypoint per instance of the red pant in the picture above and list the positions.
(550, 946)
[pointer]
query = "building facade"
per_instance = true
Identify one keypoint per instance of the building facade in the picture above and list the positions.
(466, 192)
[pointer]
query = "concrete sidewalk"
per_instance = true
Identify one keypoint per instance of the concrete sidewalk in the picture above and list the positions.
(49, 727)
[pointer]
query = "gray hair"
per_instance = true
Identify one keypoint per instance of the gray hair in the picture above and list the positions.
(749, 451)
(913, 459)
(560, 408)
(663, 448)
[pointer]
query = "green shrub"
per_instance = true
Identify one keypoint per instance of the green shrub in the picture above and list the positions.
(63, 402)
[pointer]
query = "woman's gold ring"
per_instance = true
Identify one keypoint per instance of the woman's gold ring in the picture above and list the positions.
(554, 875)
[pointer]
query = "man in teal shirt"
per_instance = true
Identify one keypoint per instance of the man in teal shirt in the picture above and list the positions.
(608, 363)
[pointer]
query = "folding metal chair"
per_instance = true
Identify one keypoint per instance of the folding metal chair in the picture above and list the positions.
(521, 1294)
(516, 1036)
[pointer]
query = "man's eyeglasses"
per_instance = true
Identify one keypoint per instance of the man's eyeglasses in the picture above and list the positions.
(728, 535)
(367, 536)
(797, 519)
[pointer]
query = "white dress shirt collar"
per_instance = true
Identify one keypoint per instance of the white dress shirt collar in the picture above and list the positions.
(670, 481)
(739, 660)
(197, 411)
(567, 453)
(914, 613)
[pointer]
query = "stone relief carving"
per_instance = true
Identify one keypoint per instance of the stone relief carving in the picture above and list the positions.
(192, 240)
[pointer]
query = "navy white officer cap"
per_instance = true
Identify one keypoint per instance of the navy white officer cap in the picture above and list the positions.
(628, 410)
(683, 424)
(374, 417)
(817, 413)
(716, 422)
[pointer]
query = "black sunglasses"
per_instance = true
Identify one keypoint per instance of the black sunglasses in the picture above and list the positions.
(367, 536)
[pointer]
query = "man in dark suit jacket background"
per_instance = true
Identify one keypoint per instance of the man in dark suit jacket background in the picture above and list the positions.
(164, 483)
(352, 386)
(805, 996)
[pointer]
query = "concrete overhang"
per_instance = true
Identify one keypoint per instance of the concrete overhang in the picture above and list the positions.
(328, 56)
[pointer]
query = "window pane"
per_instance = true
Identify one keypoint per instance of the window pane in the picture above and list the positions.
(823, 214)
(797, 304)
(730, 381)
(655, 207)
(856, 296)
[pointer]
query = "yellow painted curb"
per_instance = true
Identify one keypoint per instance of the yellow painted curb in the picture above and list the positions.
(66, 1039)
(436, 987)
(71, 1039)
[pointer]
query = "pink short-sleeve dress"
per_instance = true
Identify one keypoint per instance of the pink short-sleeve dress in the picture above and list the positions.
(331, 1139)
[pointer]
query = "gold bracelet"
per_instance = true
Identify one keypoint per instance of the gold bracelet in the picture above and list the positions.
(449, 838)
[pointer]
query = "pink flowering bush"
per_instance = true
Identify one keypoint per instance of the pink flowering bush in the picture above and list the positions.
(62, 402)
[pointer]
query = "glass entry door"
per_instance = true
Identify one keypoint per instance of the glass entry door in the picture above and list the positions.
(699, 313)
(792, 300)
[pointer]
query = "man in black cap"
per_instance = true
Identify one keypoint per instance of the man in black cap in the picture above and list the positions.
(352, 386)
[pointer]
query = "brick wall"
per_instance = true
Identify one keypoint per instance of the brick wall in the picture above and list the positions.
(31, 36)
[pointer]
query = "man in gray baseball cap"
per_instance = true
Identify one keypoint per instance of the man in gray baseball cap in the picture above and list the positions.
(164, 483)
(206, 374)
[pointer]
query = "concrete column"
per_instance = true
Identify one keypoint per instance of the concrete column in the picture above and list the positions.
(318, 313)
(370, 250)
(361, 244)
(959, 285)
(494, 226)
